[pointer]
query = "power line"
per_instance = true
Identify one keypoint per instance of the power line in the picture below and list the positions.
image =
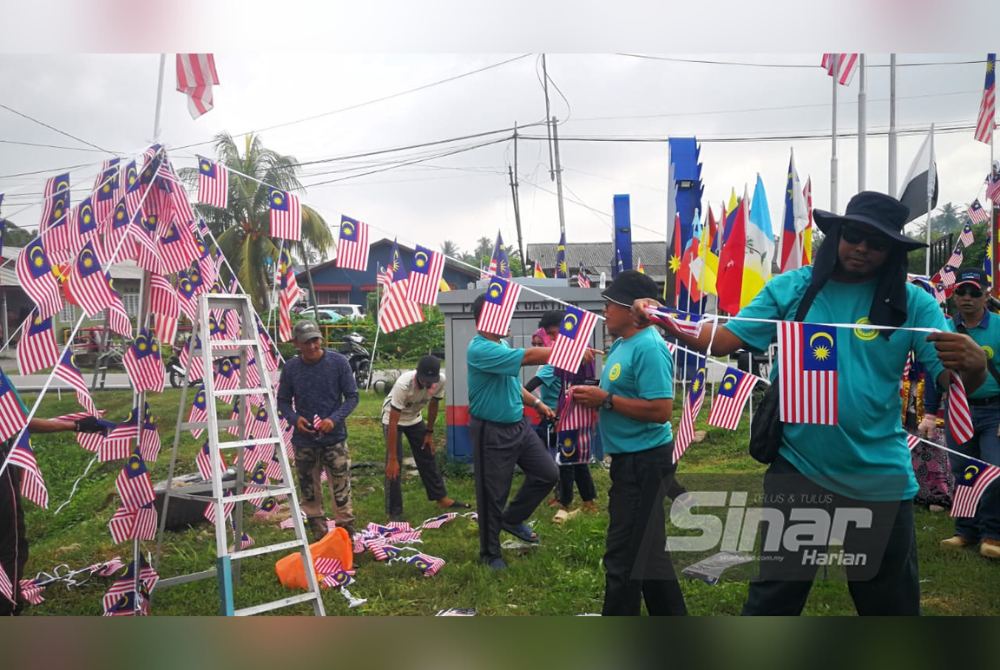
(700, 61)
(53, 128)
(47, 146)
(369, 102)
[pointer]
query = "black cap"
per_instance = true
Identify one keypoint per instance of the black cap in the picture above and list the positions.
(877, 210)
(428, 370)
(975, 276)
(629, 286)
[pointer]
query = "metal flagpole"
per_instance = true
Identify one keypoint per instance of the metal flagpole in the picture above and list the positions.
(833, 155)
(862, 126)
(378, 323)
(892, 125)
(930, 193)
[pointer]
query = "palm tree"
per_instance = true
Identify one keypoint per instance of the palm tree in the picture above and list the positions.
(242, 229)
(449, 248)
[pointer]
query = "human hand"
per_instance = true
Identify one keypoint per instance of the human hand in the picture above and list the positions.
(325, 426)
(590, 354)
(545, 411)
(589, 396)
(91, 424)
(303, 425)
(639, 315)
(392, 469)
(927, 425)
(429, 442)
(958, 352)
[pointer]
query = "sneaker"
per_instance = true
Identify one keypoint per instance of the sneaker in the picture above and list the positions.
(317, 525)
(590, 507)
(957, 542)
(990, 549)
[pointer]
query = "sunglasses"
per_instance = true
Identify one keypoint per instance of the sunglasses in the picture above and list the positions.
(970, 291)
(875, 241)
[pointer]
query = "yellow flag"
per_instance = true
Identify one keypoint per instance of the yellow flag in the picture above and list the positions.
(443, 286)
(539, 273)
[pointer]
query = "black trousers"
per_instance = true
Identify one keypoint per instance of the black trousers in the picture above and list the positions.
(888, 583)
(13, 536)
(637, 565)
(579, 474)
(430, 473)
(496, 449)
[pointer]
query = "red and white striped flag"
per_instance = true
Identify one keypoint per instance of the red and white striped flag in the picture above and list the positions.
(959, 417)
(286, 215)
(425, 276)
(912, 441)
(226, 378)
(397, 311)
(575, 416)
(684, 322)
(260, 424)
(970, 486)
(227, 508)
(133, 524)
(352, 249)
(198, 411)
(143, 363)
(37, 348)
(848, 65)
(429, 565)
(106, 193)
(149, 439)
(12, 416)
(88, 284)
(164, 305)
(213, 183)
(196, 76)
(134, 485)
(6, 587)
(118, 443)
(135, 194)
(987, 108)
(177, 248)
(957, 258)
(807, 375)
(498, 308)
(34, 272)
(571, 342)
(83, 227)
(204, 462)
(693, 400)
(731, 398)
(977, 214)
(55, 203)
(32, 484)
(234, 418)
(67, 371)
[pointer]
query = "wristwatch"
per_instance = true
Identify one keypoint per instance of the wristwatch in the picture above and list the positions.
(606, 403)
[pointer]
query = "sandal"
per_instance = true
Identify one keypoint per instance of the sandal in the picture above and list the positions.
(456, 504)
(521, 531)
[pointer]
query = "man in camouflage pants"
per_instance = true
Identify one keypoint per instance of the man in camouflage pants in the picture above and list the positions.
(315, 395)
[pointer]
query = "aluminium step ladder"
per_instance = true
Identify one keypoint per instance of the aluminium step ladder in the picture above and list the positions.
(227, 562)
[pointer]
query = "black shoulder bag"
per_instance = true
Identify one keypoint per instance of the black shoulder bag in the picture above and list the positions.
(766, 428)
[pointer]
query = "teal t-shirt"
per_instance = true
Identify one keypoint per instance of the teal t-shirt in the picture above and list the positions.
(548, 392)
(494, 386)
(638, 367)
(864, 456)
(987, 336)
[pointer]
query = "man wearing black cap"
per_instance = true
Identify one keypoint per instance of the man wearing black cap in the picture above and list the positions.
(401, 415)
(635, 401)
(861, 465)
(322, 387)
(970, 293)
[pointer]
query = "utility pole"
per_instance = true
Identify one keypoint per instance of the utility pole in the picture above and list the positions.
(892, 125)
(548, 126)
(833, 155)
(517, 206)
(559, 188)
(862, 126)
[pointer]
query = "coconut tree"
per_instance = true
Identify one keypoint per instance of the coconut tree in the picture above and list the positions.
(243, 228)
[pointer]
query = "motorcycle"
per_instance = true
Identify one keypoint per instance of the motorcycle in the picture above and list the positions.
(358, 358)
(175, 371)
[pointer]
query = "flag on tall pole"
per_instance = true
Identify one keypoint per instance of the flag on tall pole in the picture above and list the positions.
(538, 272)
(759, 253)
(499, 265)
(561, 270)
(498, 307)
(213, 183)
(920, 184)
(732, 259)
(807, 235)
(848, 65)
(196, 75)
(582, 280)
(987, 108)
(352, 248)
(286, 215)
(795, 220)
(807, 373)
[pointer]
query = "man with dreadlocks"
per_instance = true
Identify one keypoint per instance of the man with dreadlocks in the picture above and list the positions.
(861, 466)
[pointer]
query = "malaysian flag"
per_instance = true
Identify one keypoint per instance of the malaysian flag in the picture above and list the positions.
(177, 248)
(143, 364)
(731, 398)
(206, 263)
(439, 521)
(83, 226)
(234, 418)
(396, 310)
(692, 407)
(574, 446)
(67, 371)
(352, 250)
(384, 552)
(571, 342)
(274, 470)
(845, 65)
(582, 280)
(129, 603)
(227, 508)
(196, 76)
(575, 416)
(164, 305)
(260, 426)
(993, 186)
(267, 507)
(34, 272)
(88, 284)
(55, 203)
(213, 183)
(912, 441)
(204, 462)
(134, 196)
(683, 322)
(118, 230)
(332, 573)
(134, 485)
(117, 444)
(136, 524)
(947, 275)
(32, 484)
(987, 108)
(425, 276)
(383, 277)
(149, 439)
(286, 215)
(970, 486)
(499, 265)
(959, 418)
(429, 565)
(31, 591)
(106, 188)
(498, 307)
(117, 316)
(956, 258)
(808, 373)
(977, 215)
(189, 285)
(37, 348)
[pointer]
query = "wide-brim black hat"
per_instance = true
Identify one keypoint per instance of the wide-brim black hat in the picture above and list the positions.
(876, 210)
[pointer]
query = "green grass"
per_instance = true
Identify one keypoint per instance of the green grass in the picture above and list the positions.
(562, 577)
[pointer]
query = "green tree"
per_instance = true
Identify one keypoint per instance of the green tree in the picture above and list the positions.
(449, 248)
(243, 228)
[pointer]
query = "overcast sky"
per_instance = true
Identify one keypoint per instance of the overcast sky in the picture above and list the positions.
(109, 101)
